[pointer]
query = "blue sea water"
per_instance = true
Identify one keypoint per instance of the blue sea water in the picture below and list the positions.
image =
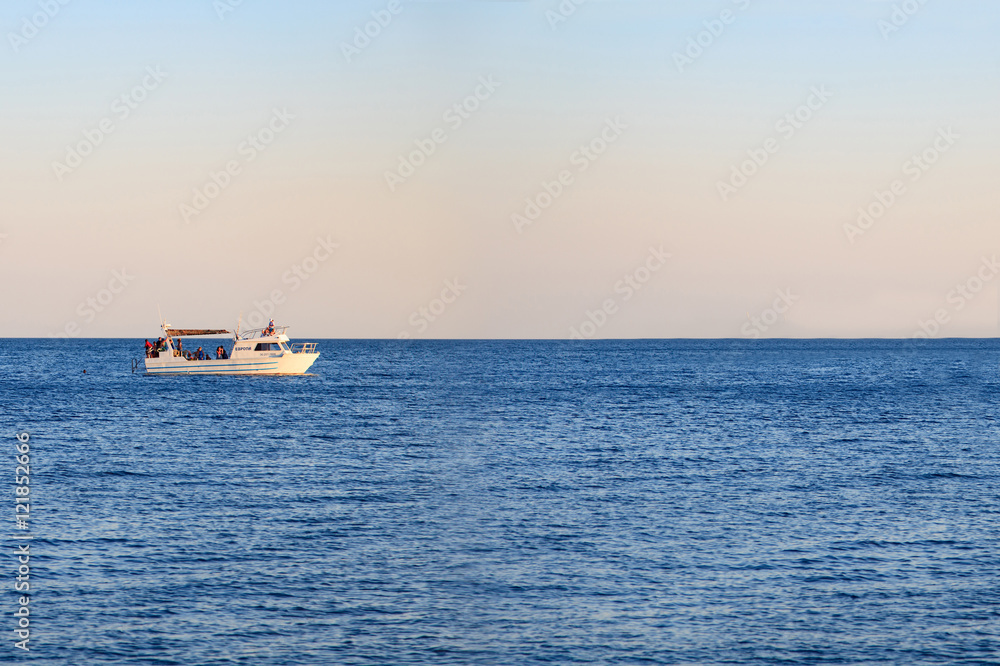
(535, 502)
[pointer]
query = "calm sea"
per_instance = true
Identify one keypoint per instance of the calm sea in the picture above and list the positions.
(640, 502)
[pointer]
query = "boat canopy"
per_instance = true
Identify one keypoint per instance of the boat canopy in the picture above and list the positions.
(191, 332)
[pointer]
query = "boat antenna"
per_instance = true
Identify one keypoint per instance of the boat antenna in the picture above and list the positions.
(236, 337)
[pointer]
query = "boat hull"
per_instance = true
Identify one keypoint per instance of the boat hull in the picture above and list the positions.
(285, 364)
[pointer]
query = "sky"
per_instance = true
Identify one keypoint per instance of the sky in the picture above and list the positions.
(490, 169)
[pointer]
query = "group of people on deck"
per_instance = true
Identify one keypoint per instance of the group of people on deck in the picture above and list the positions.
(153, 351)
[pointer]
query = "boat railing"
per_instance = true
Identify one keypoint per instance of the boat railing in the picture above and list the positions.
(259, 333)
(303, 348)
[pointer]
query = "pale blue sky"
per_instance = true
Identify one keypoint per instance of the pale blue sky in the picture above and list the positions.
(657, 184)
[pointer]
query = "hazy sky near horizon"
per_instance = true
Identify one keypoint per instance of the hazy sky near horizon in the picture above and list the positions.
(743, 138)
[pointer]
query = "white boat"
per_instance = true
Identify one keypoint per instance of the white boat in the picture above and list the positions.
(261, 351)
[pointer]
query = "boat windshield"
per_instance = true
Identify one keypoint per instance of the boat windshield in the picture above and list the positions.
(259, 333)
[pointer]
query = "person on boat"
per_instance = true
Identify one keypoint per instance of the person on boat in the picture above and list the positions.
(149, 348)
(220, 353)
(199, 355)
